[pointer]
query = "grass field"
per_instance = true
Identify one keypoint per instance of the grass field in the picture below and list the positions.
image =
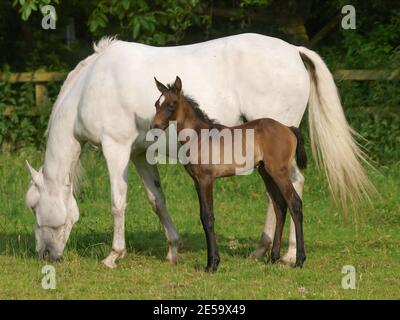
(371, 245)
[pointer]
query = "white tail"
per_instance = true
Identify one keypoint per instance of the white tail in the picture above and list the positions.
(332, 139)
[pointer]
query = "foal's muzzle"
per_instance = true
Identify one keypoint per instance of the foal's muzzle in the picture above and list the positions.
(158, 126)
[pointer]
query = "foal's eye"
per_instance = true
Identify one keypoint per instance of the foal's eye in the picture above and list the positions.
(172, 106)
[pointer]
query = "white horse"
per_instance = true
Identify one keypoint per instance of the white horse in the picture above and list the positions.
(108, 99)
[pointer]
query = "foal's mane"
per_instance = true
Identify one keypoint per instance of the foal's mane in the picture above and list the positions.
(199, 112)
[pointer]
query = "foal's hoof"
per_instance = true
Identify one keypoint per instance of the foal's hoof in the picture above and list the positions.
(211, 269)
(213, 265)
(299, 262)
(274, 257)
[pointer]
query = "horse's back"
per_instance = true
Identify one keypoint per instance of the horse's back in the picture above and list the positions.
(247, 74)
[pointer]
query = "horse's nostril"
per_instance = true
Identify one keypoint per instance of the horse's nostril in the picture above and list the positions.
(45, 254)
(55, 258)
(52, 255)
(59, 258)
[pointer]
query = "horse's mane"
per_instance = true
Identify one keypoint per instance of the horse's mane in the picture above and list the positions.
(98, 48)
(199, 112)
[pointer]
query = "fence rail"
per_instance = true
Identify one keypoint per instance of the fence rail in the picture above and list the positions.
(365, 75)
(41, 77)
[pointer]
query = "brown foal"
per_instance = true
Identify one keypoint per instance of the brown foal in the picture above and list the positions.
(275, 147)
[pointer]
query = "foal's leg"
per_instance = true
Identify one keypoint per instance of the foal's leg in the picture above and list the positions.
(117, 157)
(151, 180)
(270, 222)
(282, 179)
(295, 207)
(298, 183)
(204, 190)
(280, 208)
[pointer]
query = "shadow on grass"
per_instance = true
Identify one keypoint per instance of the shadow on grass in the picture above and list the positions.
(97, 244)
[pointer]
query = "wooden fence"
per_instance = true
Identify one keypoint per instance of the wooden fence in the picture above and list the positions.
(41, 77)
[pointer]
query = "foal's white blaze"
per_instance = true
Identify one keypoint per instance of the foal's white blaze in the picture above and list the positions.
(161, 100)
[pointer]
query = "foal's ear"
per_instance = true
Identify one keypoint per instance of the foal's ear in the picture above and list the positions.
(160, 86)
(178, 85)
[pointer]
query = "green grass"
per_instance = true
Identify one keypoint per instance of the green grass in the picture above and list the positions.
(371, 245)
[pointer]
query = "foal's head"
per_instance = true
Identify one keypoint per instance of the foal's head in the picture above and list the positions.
(168, 105)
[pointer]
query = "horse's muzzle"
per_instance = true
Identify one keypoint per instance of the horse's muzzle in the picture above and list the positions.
(49, 255)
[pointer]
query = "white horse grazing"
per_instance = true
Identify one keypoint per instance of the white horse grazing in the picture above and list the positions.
(108, 99)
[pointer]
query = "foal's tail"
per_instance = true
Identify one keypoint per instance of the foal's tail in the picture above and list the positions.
(301, 156)
(332, 139)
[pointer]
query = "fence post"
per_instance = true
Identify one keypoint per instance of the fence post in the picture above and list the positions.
(41, 96)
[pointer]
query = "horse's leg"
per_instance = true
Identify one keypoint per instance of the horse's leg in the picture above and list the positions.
(267, 235)
(204, 190)
(151, 180)
(298, 183)
(280, 208)
(117, 157)
(282, 179)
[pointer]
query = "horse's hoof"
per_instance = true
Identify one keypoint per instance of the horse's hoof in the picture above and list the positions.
(122, 254)
(289, 259)
(263, 247)
(171, 260)
(172, 256)
(109, 263)
(112, 257)
(259, 253)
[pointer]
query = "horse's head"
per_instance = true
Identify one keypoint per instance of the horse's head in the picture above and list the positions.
(168, 105)
(55, 211)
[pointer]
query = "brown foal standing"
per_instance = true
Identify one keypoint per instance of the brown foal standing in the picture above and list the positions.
(274, 149)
